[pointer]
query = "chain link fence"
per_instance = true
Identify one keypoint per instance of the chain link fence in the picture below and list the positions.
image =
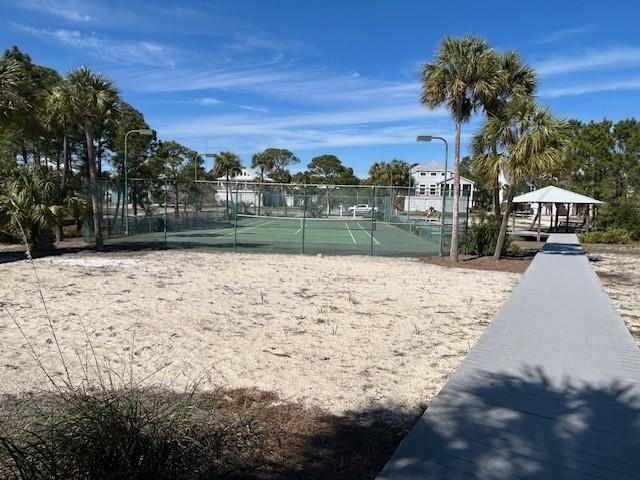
(270, 217)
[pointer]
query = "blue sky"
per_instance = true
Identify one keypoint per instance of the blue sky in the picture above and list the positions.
(324, 76)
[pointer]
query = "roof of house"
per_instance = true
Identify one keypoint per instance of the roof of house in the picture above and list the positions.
(451, 180)
(431, 166)
(553, 194)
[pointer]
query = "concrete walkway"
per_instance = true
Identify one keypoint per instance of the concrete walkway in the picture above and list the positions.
(550, 391)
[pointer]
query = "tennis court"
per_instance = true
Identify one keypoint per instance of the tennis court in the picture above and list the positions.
(362, 236)
(287, 218)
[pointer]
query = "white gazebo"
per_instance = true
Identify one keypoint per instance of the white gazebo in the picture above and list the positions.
(556, 195)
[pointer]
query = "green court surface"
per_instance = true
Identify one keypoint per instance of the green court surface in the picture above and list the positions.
(342, 235)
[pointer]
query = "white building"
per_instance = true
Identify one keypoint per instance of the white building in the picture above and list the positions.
(428, 184)
(246, 192)
(246, 175)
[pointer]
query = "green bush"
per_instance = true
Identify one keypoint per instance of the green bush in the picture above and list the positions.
(481, 236)
(611, 235)
(128, 433)
(625, 215)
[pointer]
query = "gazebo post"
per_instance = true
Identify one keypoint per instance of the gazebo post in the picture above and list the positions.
(587, 221)
(566, 225)
(539, 220)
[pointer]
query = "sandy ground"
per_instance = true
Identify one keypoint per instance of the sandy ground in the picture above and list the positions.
(619, 272)
(340, 333)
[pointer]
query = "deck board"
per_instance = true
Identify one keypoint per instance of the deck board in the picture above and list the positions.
(550, 391)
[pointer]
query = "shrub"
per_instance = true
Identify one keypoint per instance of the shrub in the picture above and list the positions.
(28, 208)
(625, 215)
(481, 236)
(127, 433)
(611, 235)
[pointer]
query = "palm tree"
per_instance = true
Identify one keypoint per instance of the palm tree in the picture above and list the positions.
(226, 164)
(460, 79)
(529, 140)
(29, 208)
(60, 116)
(514, 78)
(92, 96)
(265, 163)
(10, 77)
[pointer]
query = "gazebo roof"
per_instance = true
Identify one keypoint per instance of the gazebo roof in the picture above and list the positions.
(553, 194)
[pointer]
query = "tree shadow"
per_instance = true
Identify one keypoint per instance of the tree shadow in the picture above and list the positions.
(562, 249)
(503, 426)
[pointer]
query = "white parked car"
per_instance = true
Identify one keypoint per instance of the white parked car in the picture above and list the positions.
(362, 209)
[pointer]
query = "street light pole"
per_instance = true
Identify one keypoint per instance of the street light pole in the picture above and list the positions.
(428, 138)
(140, 131)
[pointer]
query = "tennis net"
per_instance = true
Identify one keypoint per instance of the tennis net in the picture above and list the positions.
(329, 223)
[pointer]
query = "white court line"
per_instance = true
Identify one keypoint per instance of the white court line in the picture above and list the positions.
(220, 230)
(349, 230)
(255, 226)
(298, 231)
(370, 236)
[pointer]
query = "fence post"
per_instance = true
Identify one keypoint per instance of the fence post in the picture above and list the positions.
(235, 222)
(166, 187)
(304, 213)
(373, 218)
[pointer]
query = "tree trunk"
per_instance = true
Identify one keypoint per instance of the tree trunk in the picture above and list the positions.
(260, 190)
(496, 195)
(176, 203)
(284, 198)
(98, 156)
(503, 226)
(117, 211)
(227, 190)
(96, 198)
(535, 219)
(453, 253)
(134, 203)
(65, 160)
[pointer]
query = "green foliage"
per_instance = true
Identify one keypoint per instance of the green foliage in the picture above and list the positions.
(329, 169)
(29, 208)
(624, 214)
(226, 164)
(128, 433)
(396, 173)
(611, 235)
(482, 235)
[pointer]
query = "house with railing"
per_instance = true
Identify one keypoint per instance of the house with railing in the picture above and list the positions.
(428, 185)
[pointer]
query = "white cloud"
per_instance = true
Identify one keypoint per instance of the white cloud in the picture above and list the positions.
(564, 34)
(251, 108)
(614, 86)
(592, 60)
(117, 51)
(249, 42)
(350, 126)
(208, 101)
(68, 10)
(275, 78)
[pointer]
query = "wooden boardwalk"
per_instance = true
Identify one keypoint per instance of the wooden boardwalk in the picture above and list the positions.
(550, 391)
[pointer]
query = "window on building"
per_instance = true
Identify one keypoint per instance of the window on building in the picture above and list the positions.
(433, 174)
(422, 174)
(423, 189)
(466, 190)
(432, 190)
